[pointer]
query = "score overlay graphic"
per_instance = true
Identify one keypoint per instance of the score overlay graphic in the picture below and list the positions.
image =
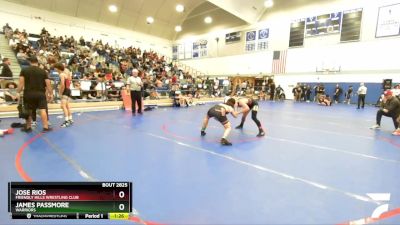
(70, 200)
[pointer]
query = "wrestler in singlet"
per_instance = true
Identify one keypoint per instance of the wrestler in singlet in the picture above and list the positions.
(248, 104)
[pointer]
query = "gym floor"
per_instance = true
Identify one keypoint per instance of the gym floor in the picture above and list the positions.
(315, 165)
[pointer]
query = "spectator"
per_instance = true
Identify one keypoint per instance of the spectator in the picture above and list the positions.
(5, 72)
(237, 89)
(21, 55)
(87, 57)
(113, 93)
(320, 90)
(297, 92)
(303, 92)
(348, 94)
(77, 87)
(278, 92)
(263, 96)
(6, 27)
(362, 92)
(197, 93)
(396, 91)
(307, 93)
(11, 94)
(337, 94)
(271, 89)
(390, 107)
(324, 100)
(154, 94)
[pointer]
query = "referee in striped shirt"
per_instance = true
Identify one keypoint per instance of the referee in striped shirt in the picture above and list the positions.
(135, 85)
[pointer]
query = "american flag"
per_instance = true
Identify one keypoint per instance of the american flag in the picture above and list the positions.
(279, 62)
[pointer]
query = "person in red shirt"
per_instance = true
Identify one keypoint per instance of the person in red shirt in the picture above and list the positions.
(174, 79)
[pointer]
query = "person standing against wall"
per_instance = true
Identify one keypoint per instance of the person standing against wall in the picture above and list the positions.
(272, 90)
(348, 95)
(35, 83)
(308, 93)
(362, 92)
(135, 85)
(337, 94)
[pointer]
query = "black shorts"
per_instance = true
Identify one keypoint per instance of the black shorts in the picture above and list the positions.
(35, 100)
(217, 115)
(254, 105)
(67, 92)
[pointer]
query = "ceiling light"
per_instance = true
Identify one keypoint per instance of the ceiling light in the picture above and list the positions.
(113, 8)
(208, 19)
(268, 3)
(150, 20)
(179, 8)
(178, 28)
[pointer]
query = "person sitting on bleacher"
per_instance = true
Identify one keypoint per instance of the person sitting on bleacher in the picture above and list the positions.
(262, 95)
(22, 57)
(154, 94)
(113, 93)
(42, 58)
(185, 99)
(396, 91)
(76, 85)
(5, 72)
(10, 93)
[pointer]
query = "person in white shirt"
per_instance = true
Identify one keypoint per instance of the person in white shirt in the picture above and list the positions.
(362, 92)
(134, 85)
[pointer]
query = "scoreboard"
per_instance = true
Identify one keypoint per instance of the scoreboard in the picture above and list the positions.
(297, 33)
(323, 24)
(351, 28)
(69, 200)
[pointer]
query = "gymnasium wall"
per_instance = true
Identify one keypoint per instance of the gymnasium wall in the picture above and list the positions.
(33, 20)
(374, 91)
(368, 60)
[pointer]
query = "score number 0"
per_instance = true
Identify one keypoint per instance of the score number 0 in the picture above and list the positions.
(121, 194)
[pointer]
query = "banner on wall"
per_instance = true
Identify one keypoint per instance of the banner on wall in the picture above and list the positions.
(257, 40)
(174, 52)
(251, 41)
(188, 50)
(263, 35)
(181, 51)
(196, 47)
(388, 21)
(200, 48)
(233, 37)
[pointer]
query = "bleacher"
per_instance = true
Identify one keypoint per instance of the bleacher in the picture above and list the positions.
(91, 84)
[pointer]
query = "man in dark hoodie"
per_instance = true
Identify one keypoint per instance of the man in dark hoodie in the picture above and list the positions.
(390, 108)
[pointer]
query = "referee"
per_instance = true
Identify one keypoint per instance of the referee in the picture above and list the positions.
(362, 91)
(135, 85)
